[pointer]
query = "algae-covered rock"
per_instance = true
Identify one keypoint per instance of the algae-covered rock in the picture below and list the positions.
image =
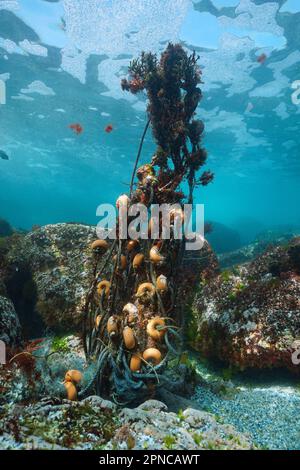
(95, 424)
(10, 329)
(5, 228)
(250, 316)
(47, 274)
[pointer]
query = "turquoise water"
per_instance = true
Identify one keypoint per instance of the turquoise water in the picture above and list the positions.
(62, 63)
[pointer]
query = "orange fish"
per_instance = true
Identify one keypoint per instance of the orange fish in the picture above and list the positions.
(76, 128)
(262, 58)
(109, 128)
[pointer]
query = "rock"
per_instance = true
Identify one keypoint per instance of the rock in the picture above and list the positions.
(88, 425)
(240, 256)
(152, 427)
(99, 403)
(153, 405)
(47, 275)
(5, 229)
(10, 329)
(250, 316)
(197, 265)
(222, 238)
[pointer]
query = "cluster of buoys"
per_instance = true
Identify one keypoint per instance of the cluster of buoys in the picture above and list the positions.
(145, 294)
(125, 327)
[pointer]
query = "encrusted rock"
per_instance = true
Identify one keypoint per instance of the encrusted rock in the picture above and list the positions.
(52, 265)
(10, 329)
(250, 316)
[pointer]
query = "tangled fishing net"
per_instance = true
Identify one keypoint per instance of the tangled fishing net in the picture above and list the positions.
(134, 311)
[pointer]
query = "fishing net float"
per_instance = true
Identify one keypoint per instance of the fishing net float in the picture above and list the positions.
(133, 314)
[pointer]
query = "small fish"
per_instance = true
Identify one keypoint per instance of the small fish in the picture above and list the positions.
(76, 128)
(262, 58)
(3, 155)
(109, 128)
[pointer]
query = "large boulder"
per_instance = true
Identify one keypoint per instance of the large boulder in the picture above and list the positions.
(250, 316)
(47, 274)
(223, 238)
(249, 252)
(5, 228)
(10, 329)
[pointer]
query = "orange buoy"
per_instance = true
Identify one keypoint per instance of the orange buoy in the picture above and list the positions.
(155, 256)
(97, 321)
(101, 246)
(71, 390)
(123, 262)
(146, 289)
(162, 283)
(135, 363)
(122, 201)
(104, 286)
(152, 355)
(132, 245)
(152, 328)
(73, 376)
(138, 260)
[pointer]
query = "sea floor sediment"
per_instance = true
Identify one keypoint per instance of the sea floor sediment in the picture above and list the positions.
(264, 405)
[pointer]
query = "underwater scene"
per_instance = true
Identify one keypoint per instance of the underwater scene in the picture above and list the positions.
(149, 227)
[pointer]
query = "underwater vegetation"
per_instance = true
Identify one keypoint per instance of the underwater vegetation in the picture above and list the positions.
(133, 315)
